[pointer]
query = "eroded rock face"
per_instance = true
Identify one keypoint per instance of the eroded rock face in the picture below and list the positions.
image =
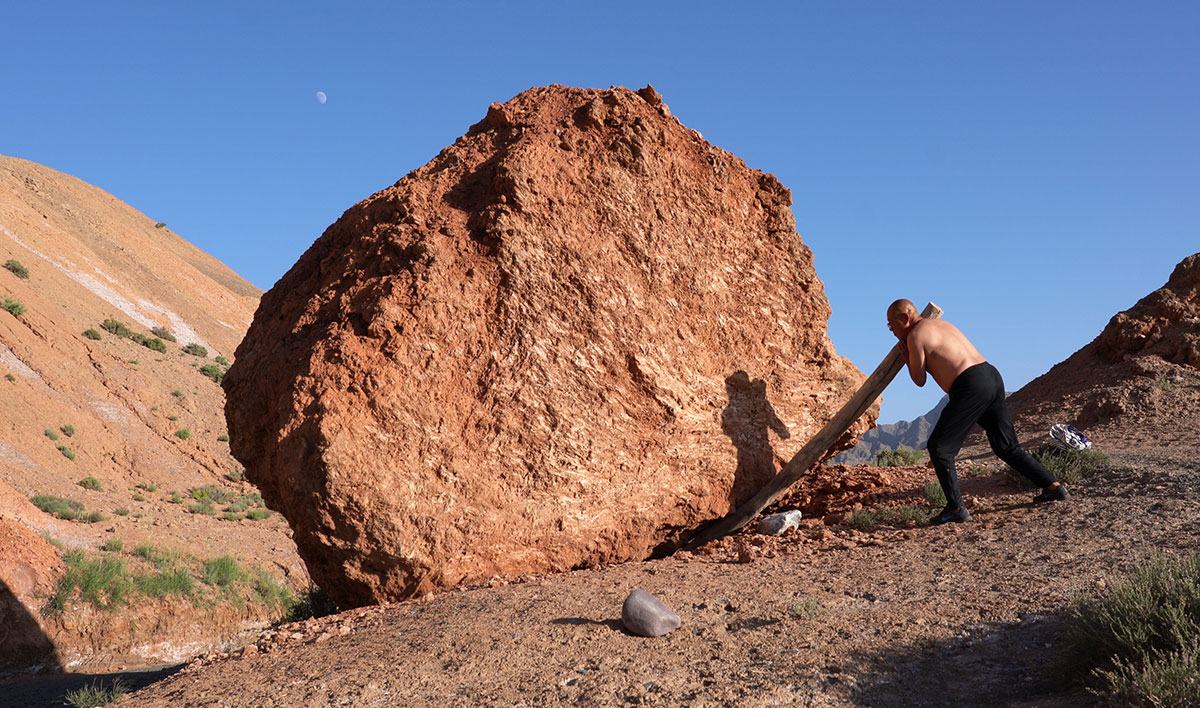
(575, 334)
(1165, 323)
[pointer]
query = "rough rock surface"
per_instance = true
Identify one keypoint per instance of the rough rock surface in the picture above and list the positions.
(1140, 373)
(576, 333)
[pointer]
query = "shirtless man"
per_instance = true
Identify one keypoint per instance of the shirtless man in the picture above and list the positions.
(976, 396)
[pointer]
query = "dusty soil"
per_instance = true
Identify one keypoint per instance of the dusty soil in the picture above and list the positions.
(968, 614)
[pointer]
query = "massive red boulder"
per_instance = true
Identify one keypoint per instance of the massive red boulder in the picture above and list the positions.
(577, 333)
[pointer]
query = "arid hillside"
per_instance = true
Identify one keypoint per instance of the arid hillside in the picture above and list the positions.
(113, 336)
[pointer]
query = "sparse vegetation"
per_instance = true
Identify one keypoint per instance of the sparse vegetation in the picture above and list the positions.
(213, 372)
(313, 602)
(113, 545)
(863, 520)
(92, 334)
(14, 307)
(66, 451)
(172, 418)
(901, 456)
(1066, 465)
(93, 517)
(244, 502)
(139, 498)
(91, 483)
(53, 541)
(116, 327)
(51, 434)
(935, 495)
(211, 493)
(1140, 641)
(67, 509)
(235, 475)
(153, 343)
(162, 333)
(148, 487)
(177, 393)
(195, 350)
(1164, 383)
(10, 377)
(222, 571)
(17, 269)
(67, 430)
(160, 224)
(100, 581)
(805, 608)
(183, 433)
(230, 516)
(257, 514)
(175, 499)
(121, 511)
(204, 508)
(96, 694)
(222, 361)
(223, 438)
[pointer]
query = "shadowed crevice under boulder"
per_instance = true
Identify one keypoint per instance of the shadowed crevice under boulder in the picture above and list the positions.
(519, 357)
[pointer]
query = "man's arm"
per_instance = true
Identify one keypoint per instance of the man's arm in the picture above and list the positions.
(914, 355)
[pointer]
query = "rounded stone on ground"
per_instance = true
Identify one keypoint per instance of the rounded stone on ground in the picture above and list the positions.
(777, 524)
(646, 615)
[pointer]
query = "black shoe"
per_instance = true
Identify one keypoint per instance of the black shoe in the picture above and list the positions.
(1058, 493)
(958, 516)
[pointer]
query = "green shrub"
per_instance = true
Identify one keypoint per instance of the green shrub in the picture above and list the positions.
(211, 493)
(116, 327)
(313, 602)
(177, 393)
(1140, 641)
(68, 509)
(213, 372)
(160, 224)
(53, 541)
(139, 498)
(170, 581)
(863, 520)
(1164, 383)
(204, 508)
(68, 430)
(807, 608)
(91, 483)
(902, 515)
(51, 434)
(222, 361)
(175, 498)
(14, 307)
(1066, 465)
(133, 361)
(183, 433)
(156, 344)
(897, 458)
(222, 438)
(230, 516)
(935, 495)
(148, 487)
(245, 502)
(92, 334)
(195, 350)
(162, 333)
(268, 591)
(10, 377)
(121, 511)
(93, 517)
(144, 551)
(257, 514)
(222, 571)
(172, 418)
(113, 545)
(236, 476)
(95, 694)
(101, 582)
(66, 451)
(18, 270)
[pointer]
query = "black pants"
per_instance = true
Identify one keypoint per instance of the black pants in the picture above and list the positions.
(977, 396)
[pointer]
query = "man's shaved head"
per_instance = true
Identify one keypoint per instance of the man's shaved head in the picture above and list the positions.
(902, 307)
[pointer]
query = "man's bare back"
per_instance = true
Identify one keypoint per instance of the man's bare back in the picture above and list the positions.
(933, 346)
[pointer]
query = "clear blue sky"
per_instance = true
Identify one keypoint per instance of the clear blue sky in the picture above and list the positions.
(1030, 166)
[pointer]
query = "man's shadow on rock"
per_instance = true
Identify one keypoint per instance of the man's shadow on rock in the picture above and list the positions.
(746, 421)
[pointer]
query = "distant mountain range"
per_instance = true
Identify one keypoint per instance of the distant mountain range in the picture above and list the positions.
(914, 434)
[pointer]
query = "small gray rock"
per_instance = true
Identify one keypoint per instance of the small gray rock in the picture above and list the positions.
(776, 524)
(646, 615)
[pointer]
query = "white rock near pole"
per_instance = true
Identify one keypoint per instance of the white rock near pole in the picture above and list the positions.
(776, 524)
(646, 615)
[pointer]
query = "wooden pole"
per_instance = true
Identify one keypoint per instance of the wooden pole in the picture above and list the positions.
(816, 448)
